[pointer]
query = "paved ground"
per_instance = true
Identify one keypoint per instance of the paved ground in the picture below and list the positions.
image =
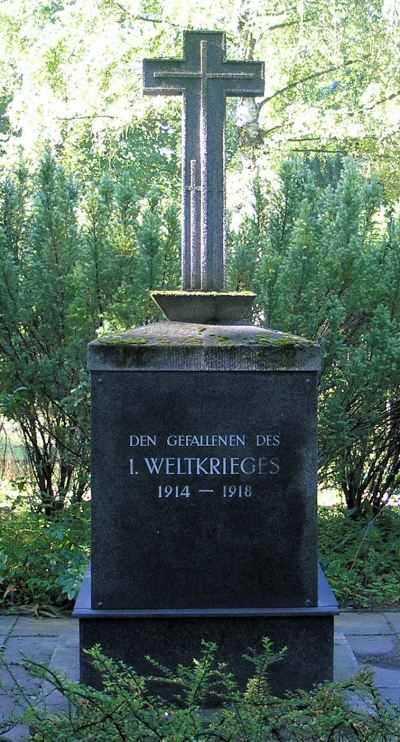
(360, 638)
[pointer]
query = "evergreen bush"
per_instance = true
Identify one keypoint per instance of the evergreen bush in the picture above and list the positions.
(43, 559)
(128, 709)
(79, 255)
(325, 262)
(76, 259)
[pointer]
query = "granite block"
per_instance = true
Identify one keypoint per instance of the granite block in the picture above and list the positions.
(204, 457)
(309, 642)
(204, 490)
(176, 637)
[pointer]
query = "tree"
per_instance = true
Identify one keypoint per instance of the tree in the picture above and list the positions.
(317, 242)
(62, 280)
(332, 78)
(41, 353)
(326, 265)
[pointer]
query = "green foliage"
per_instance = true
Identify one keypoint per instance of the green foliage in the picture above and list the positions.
(77, 257)
(129, 709)
(361, 558)
(324, 259)
(42, 350)
(42, 558)
(332, 73)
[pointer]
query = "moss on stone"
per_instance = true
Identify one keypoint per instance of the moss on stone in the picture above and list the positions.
(282, 341)
(213, 294)
(191, 341)
(118, 340)
(285, 341)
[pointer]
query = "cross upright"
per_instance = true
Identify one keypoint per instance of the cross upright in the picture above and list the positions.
(204, 78)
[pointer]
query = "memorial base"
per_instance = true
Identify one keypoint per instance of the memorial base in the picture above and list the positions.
(174, 636)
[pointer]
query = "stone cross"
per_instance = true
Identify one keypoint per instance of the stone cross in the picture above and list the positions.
(204, 78)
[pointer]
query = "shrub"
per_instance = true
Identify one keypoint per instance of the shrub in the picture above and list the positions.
(76, 259)
(42, 559)
(325, 262)
(128, 710)
(79, 256)
(361, 557)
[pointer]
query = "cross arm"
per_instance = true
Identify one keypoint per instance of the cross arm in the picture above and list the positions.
(155, 83)
(243, 79)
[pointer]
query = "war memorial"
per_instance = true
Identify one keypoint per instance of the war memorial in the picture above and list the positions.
(204, 443)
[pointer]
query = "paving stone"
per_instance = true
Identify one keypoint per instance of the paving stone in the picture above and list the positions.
(374, 645)
(66, 658)
(19, 676)
(57, 642)
(357, 703)
(17, 734)
(392, 695)
(362, 624)
(38, 626)
(7, 709)
(68, 627)
(345, 664)
(6, 623)
(385, 677)
(35, 648)
(394, 619)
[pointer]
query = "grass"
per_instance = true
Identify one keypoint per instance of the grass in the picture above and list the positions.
(361, 557)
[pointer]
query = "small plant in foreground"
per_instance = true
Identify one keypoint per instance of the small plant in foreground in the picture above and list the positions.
(128, 709)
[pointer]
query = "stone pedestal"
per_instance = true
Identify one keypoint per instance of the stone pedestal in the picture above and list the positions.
(204, 446)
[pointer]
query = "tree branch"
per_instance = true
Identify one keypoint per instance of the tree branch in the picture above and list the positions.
(270, 131)
(88, 116)
(295, 22)
(319, 151)
(380, 102)
(282, 12)
(135, 17)
(313, 76)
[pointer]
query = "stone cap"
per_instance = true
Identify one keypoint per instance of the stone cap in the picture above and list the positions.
(184, 346)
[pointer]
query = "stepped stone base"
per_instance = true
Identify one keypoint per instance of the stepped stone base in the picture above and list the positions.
(175, 636)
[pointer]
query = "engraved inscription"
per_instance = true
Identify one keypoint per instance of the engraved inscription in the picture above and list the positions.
(174, 464)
